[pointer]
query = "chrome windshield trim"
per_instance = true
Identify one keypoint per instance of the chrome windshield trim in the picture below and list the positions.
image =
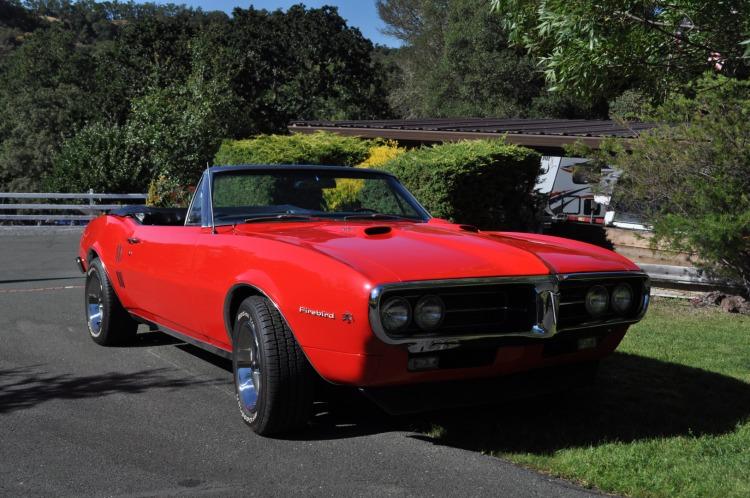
(548, 308)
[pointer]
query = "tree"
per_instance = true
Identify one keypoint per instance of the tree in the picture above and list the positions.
(64, 75)
(691, 176)
(15, 23)
(127, 70)
(457, 62)
(171, 132)
(598, 49)
(44, 97)
(298, 64)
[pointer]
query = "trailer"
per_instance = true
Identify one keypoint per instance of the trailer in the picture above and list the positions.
(573, 194)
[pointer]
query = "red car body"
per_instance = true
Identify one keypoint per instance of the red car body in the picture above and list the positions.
(326, 278)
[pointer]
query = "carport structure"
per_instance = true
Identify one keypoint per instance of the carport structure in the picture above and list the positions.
(548, 136)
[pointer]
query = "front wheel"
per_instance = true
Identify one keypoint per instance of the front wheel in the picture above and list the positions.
(273, 379)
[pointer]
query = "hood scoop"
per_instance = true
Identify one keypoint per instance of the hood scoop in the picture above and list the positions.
(468, 228)
(378, 230)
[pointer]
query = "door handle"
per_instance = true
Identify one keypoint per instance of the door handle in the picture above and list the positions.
(134, 240)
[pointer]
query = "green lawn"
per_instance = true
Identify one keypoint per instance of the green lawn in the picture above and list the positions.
(669, 415)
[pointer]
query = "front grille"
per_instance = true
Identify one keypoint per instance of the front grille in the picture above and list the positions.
(475, 309)
(573, 294)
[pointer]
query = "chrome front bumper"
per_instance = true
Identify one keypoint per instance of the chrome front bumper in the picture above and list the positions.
(547, 290)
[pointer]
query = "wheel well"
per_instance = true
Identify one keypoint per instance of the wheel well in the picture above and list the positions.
(234, 298)
(236, 295)
(91, 255)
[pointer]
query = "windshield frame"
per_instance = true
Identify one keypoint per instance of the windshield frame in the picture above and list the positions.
(423, 215)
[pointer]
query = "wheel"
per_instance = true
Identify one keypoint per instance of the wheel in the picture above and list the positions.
(108, 322)
(272, 378)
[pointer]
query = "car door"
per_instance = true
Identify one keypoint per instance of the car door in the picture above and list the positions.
(158, 269)
(158, 273)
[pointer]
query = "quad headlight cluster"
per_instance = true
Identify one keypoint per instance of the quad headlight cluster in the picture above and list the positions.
(599, 300)
(396, 314)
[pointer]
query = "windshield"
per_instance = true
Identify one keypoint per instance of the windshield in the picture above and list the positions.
(247, 196)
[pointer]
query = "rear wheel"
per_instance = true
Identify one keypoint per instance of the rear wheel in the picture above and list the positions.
(108, 322)
(272, 377)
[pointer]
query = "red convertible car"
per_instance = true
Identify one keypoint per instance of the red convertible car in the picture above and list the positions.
(298, 273)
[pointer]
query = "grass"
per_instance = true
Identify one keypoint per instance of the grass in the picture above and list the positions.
(668, 417)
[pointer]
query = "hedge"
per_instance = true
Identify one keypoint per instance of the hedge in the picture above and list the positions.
(347, 191)
(485, 183)
(317, 148)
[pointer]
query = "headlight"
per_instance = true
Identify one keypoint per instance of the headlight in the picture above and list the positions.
(395, 313)
(429, 312)
(622, 298)
(597, 300)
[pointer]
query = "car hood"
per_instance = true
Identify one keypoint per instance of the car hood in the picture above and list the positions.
(426, 251)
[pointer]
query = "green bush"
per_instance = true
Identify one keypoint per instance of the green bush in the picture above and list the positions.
(486, 183)
(100, 157)
(317, 148)
(165, 191)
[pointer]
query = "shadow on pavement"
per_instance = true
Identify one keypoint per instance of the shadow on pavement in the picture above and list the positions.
(215, 360)
(152, 339)
(634, 398)
(26, 387)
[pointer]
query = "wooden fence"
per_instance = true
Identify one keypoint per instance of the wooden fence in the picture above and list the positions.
(87, 207)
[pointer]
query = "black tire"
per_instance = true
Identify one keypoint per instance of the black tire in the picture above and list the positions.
(272, 378)
(112, 325)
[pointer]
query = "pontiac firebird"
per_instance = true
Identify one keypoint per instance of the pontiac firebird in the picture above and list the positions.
(301, 273)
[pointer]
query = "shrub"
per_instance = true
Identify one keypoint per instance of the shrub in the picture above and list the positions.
(347, 190)
(99, 157)
(317, 148)
(381, 152)
(345, 194)
(165, 191)
(482, 182)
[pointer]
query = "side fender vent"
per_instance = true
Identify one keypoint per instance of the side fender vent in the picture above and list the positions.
(382, 230)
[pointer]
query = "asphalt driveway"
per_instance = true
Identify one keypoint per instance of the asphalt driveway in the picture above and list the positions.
(158, 417)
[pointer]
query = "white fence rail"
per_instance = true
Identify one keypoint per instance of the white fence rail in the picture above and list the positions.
(86, 210)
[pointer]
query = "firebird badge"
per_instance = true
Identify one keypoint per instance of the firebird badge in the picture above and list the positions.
(318, 313)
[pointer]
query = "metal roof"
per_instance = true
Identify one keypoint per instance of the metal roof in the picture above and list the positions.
(535, 133)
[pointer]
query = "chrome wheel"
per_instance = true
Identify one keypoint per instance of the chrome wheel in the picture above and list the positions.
(248, 366)
(273, 382)
(94, 304)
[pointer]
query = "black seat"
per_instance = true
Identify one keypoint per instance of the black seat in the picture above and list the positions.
(146, 215)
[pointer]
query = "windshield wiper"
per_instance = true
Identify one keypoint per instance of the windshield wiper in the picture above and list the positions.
(280, 217)
(376, 216)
